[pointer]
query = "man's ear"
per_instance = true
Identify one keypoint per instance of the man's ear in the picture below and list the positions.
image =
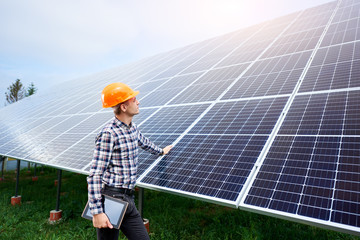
(123, 107)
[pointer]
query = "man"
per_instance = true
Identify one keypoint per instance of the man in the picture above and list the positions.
(114, 165)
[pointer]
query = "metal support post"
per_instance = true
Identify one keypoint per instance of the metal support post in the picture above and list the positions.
(16, 200)
(55, 215)
(2, 167)
(58, 190)
(34, 178)
(6, 160)
(141, 209)
(17, 178)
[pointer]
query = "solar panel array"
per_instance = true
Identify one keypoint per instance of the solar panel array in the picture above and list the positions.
(265, 118)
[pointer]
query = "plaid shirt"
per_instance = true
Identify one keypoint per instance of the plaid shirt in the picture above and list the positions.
(115, 159)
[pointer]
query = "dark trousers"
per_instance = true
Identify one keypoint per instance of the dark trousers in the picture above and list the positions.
(132, 225)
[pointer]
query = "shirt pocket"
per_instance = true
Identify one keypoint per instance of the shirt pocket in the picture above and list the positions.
(120, 153)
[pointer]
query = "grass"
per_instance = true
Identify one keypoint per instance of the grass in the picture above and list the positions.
(171, 217)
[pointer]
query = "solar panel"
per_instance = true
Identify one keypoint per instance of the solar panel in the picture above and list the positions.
(265, 118)
(211, 166)
(173, 120)
(210, 85)
(271, 76)
(310, 169)
(146, 159)
(334, 67)
(167, 90)
(217, 155)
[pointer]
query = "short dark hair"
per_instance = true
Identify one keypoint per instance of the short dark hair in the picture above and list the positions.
(117, 108)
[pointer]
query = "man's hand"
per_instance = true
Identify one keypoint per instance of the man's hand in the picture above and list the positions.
(101, 221)
(167, 149)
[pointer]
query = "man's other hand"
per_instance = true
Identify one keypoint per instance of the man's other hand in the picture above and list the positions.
(167, 149)
(101, 221)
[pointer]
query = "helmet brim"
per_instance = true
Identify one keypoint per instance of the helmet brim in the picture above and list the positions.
(134, 94)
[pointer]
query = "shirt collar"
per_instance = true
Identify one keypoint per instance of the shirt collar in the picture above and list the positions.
(121, 124)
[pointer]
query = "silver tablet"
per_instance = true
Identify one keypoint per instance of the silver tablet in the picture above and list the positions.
(114, 208)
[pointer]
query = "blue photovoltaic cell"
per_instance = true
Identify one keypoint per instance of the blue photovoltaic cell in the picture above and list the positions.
(197, 54)
(77, 156)
(298, 176)
(254, 46)
(334, 67)
(312, 166)
(173, 120)
(270, 77)
(94, 119)
(212, 165)
(313, 18)
(295, 42)
(20, 144)
(92, 107)
(148, 87)
(48, 146)
(281, 63)
(242, 117)
(83, 106)
(230, 43)
(211, 85)
(342, 32)
(168, 90)
(218, 159)
(346, 207)
(145, 158)
(143, 114)
(345, 4)
(324, 114)
(352, 117)
(14, 129)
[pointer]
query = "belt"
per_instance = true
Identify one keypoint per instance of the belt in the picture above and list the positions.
(126, 191)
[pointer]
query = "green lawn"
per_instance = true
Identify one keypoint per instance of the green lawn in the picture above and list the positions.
(171, 217)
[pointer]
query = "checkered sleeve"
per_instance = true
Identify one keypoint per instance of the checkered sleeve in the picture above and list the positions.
(102, 154)
(148, 145)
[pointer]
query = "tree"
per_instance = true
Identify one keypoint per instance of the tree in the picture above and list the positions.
(31, 90)
(16, 92)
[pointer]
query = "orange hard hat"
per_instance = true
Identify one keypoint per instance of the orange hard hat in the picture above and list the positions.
(116, 93)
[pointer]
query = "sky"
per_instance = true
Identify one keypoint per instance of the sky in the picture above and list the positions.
(49, 41)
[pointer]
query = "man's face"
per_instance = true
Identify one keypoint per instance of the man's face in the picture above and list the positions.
(132, 106)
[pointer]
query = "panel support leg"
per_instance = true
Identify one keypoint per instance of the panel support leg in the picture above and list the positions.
(2, 167)
(16, 200)
(141, 209)
(34, 178)
(55, 215)
(58, 190)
